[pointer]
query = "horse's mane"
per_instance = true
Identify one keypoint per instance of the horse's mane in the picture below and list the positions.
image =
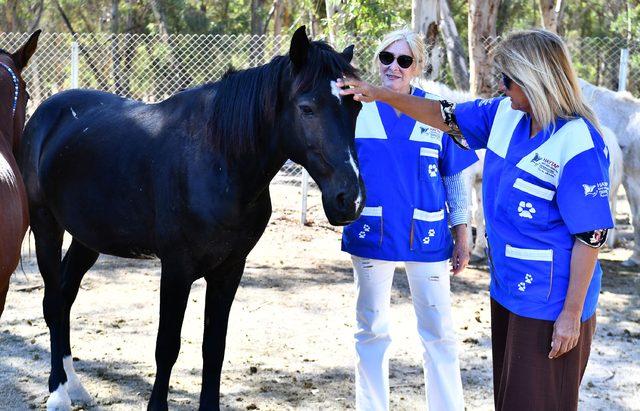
(246, 102)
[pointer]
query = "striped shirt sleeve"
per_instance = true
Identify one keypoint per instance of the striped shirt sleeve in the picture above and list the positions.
(457, 199)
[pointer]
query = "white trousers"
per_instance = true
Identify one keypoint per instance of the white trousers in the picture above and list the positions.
(429, 284)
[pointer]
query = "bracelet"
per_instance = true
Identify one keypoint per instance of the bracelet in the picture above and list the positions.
(447, 109)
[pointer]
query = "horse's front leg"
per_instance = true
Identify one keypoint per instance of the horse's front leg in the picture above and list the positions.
(221, 289)
(175, 284)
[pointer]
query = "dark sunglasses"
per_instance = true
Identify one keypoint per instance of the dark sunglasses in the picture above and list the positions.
(387, 58)
(507, 81)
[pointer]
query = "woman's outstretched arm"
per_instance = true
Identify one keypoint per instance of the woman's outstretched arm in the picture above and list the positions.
(424, 110)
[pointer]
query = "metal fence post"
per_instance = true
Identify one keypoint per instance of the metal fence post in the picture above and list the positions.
(305, 190)
(624, 69)
(75, 62)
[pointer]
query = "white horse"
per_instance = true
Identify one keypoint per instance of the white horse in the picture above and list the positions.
(620, 112)
(473, 174)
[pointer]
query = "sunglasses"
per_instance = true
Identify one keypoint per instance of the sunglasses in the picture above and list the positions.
(387, 58)
(507, 81)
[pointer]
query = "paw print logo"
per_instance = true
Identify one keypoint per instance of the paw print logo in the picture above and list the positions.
(522, 286)
(426, 240)
(432, 232)
(366, 228)
(433, 170)
(528, 278)
(362, 234)
(526, 209)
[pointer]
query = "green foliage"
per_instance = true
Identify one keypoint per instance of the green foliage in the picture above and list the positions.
(373, 18)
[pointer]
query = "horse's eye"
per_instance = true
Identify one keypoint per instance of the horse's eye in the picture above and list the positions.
(306, 110)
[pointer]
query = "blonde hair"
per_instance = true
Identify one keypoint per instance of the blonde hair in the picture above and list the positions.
(413, 39)
(540, 63)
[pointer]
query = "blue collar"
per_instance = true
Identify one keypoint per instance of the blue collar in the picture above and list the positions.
(16, 87)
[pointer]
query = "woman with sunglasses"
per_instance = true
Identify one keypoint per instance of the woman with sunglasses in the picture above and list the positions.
(545, 194)
(412, 174)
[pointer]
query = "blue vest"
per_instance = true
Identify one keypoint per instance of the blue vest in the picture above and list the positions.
(538, 192)
(402, 163)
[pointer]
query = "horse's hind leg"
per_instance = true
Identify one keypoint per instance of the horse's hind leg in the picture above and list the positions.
(221, 290)
(78, 260)
(48, 238)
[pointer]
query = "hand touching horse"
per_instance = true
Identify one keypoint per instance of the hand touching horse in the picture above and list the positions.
(14, 217)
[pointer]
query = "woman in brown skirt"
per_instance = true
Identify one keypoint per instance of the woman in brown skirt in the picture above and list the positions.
(545, 189)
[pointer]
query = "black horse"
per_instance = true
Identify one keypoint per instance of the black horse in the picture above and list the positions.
(186, 180)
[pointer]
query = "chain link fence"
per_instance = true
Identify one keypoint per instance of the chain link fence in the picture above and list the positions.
(152, 67)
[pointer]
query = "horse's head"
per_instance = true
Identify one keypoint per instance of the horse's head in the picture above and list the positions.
(13, 93)
(322, 125)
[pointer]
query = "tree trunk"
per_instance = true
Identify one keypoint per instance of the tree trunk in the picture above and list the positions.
(314, 23)
(455, 53)
(256, 20)
(278, 17)
(256, 44)
(161, 18)
(115, 53)
(38, 9)
(482, 35)
(128, 50)
(424, 20)
(333, 11)
(225, 13)
(552, 12)
(11, 14)
(179, 78)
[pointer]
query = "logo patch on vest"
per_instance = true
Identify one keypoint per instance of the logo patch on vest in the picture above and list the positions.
(545, 165)
(591, 190)
(426, 134)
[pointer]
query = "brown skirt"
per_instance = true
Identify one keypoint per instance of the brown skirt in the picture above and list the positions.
(524, 378)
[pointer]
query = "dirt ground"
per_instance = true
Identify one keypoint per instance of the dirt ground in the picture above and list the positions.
(290, 340)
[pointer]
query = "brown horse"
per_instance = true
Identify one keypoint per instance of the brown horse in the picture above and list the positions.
(14, 214)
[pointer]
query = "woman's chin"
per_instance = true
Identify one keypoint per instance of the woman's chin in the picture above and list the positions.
(394, 85)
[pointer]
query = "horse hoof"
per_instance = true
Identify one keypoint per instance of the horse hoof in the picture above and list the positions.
(59, 400)
(77, 393)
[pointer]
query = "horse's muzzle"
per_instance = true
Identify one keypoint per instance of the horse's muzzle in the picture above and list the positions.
(344, 206)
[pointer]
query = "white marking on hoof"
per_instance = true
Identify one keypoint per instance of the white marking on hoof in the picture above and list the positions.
(59, 400)
(74, 387)
(335, 90)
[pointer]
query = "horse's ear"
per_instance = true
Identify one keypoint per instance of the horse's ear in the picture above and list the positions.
(299, 48)
(23, 54)
(347, 53)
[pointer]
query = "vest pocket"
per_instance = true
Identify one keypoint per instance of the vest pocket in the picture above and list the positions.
(530, 273)
(428, 230)
(428, 164)
(529, 203)
(368, 229)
